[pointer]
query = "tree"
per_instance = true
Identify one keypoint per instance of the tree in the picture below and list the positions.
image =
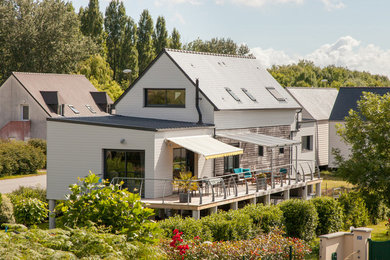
(217, 45)
(174, 41)
(92, 20)
(145, 41)
(367, 131)
(160, 35)
(41, 37)
(114, 24)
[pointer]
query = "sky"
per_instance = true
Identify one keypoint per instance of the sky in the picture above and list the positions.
(349, 33)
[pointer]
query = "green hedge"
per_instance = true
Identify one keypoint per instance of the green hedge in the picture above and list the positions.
(330, 215)
(264, 217)
(355, 210)
(30, 211)
(6, 210)
(29, 192)
(375, 203)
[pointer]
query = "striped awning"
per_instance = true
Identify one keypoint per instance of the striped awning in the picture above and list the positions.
(260, 139)
(206, 145)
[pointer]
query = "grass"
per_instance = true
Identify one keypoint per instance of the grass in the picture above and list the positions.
(330, 181)
(40, 172)
(380, 232)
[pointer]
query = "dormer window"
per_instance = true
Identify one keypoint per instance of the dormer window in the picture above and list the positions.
(91, 109)
(233, 94)
(74, 109)
(248, 94)
(275, 94)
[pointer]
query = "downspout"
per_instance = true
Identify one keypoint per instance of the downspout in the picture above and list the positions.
(197, 101)
(297, 119)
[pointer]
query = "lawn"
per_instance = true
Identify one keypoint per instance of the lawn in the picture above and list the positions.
(40, 172)
(380, 232)
(330, 181)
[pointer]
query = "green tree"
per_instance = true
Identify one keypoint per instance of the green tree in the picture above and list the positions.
(145, 40)
(160, 35)
(92, 20)
(41, 37)
(367, 130)
(174, 40)
(215, 45)
(114, 24)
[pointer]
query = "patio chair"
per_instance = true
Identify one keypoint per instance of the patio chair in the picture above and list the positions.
(283, 174)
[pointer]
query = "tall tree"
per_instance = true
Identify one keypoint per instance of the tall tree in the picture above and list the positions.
(215, 45)
(40, 37)
(114, 24)
(145, 40)
(92, 20)
(160, 35)
(174, 41)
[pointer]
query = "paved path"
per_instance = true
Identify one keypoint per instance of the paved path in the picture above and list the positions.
(7, 186)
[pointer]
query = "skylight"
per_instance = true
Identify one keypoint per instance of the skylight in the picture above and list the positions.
(91, 109)
(232, 94)
(248, 94)
(276, 94)
(74, 109)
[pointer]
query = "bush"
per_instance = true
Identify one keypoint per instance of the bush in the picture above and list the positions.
(266, 218)
(16, 157)
(30, 211)
(355, 211)
(330, 215)
(6, 210)
(377, 209)
(29, 192)
(300, 218)
(94, 203)
(38, 143)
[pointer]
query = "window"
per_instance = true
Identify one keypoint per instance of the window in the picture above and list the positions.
(281, 150)
(165, 97)
(232, 94)
(261, 150)
(275, 94)
(307, 143)
(183, 161)
(74, 109)
(91, 109)
(231, 162)
(25, 112)
(248, 94)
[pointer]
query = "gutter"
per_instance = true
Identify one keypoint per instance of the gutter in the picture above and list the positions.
(197, 102)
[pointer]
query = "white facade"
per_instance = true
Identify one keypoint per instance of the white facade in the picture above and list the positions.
(306, 158)
(323, 142)
(336, 142)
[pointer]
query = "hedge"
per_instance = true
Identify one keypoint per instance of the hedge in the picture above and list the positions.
(355, 211)
(330, 215)
(6, 210)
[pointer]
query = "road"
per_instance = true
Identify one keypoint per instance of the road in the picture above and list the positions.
(7, 186)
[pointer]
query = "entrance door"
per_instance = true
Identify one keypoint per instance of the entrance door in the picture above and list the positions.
(183, 161)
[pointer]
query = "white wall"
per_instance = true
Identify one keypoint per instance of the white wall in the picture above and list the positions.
(335, 142)
(323, 142)
(163, 74)
(306, 129)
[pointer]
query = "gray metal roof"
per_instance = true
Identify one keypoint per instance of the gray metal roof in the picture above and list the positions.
(316, 102)
(217, 72)
(259, 139)
(347, 100)
(148, 124)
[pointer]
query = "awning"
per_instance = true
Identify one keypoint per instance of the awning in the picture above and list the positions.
(206, 145)
(260, 139)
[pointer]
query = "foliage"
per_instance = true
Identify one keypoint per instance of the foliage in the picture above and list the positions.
(306, 74)
(367, 130)
(217, 45)
(377, 209)
(330, 215)
(38, 143)
(16, 157)
(41, 36)
(300, 218)
(28, 192)
(30, 211)
(266, 246)
(145, 40)
(266, 218)
(174, 40)
(6, 210)
(186, 182)
(160, 35)
(88, 243)
(92, 20)
(91, 202)
(129, 53)
(355, 211)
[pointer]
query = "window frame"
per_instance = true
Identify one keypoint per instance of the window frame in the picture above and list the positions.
(304, 147)
(260, 149)
(249, 95)
(235, 160)
(281, 150)
(232, 94)
(74, 110)
(166, 98)
(276, 94)
(22, 112)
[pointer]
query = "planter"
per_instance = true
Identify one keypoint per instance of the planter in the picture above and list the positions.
(184, 197)
(262, 182)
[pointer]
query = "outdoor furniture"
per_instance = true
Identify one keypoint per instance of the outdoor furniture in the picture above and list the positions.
(246, 171)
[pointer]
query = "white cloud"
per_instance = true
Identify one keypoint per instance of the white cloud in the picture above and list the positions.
(346, 52)
(176, 2)
(259, 3)
(178, 18)
(333, 4)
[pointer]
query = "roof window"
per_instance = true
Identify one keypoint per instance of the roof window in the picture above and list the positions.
(74, 109)
(248, 94)
(275, 94)
(91, 109)
(232, 94)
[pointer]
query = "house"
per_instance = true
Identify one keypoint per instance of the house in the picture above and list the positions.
(346, 100)
(317, 104)
(213, 115)
(27, 99)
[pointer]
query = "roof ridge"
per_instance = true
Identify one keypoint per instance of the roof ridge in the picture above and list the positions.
(376, 87)
(53, 74)
(212, 54)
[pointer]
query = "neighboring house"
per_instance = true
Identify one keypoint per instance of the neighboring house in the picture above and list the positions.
(27, 99)
(317, 104)
(346, 100)
(210, 114)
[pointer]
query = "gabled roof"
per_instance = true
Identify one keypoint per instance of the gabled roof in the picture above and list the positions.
(64, 88)
(317, 103)
(138, 123)
(348, 97)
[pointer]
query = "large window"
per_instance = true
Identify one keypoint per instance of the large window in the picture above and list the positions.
(165, 97)
(231, 162)
(307, 143)
(183, 161)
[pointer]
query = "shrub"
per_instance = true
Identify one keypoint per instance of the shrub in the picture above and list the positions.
(266, 218)
(189, 226)
(330, 215)
(6, 210)
(355, 211)
(29, 192)
(94, 203)
(38, 143)
(30, 211)
(300, 218)
(377, 209)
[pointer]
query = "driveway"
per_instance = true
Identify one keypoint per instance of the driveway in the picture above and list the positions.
(7, 186)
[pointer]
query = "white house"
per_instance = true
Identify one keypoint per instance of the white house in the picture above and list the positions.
(317, 104)
(346, 100)
(209, 114)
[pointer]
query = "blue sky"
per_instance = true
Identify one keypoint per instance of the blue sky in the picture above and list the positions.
(351, 33)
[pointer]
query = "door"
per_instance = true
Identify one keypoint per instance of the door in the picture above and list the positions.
(183, 161)
(378, 250)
